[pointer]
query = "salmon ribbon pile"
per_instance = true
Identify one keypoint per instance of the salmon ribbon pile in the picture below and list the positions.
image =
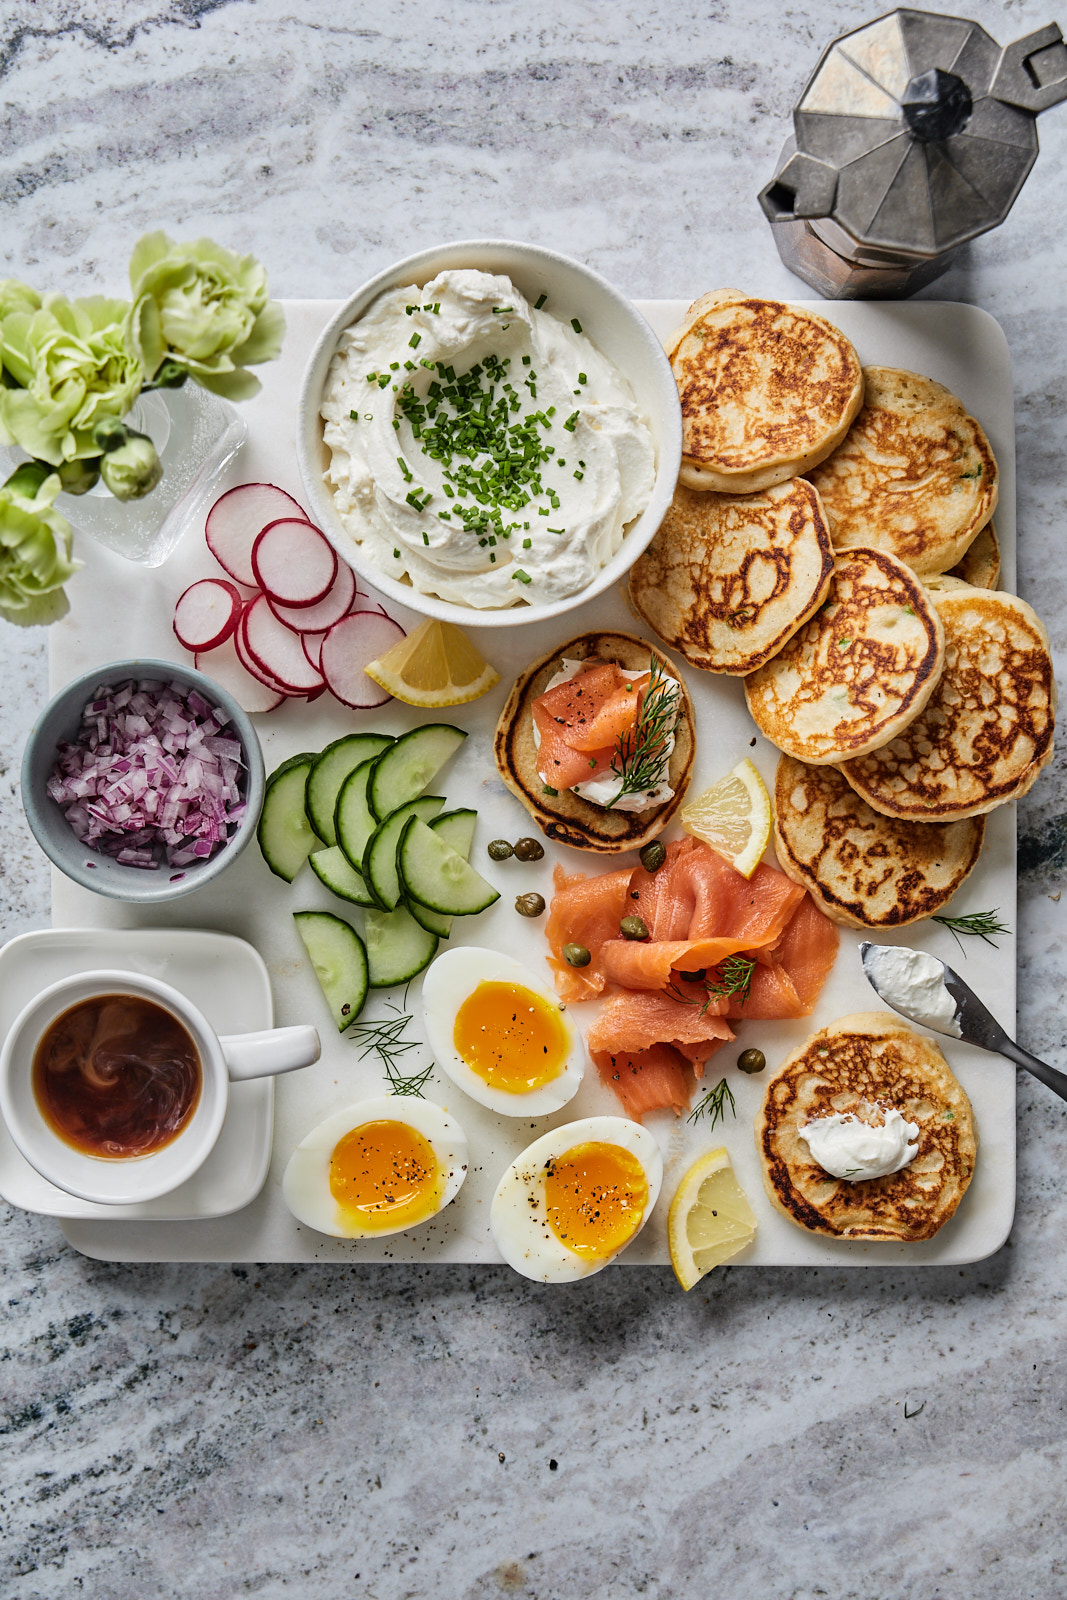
(657, 1028)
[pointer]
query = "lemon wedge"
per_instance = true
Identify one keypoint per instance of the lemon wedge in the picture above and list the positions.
(435, 666)
(710, 1220)
(734, 817)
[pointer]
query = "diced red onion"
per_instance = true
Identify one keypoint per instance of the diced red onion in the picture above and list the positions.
(150, 776)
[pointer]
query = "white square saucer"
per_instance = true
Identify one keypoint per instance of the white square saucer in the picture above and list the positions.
(222, 975)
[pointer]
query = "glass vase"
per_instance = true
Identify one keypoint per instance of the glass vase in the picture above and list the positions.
(196, 436)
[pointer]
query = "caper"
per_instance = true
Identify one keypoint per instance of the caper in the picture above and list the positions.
(529, 850)
(694, 977)
(633, 928)
(653, 856)
(530, 905)
(499, 849)
(576, 955)
(752, 1061)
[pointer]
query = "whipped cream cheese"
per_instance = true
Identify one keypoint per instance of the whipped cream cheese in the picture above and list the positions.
(849, 1148)
(602, 790)
(481, 448)
(913, 983)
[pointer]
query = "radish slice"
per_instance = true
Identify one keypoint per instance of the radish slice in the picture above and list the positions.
(249, 663)
(312, 643)
(293, 563)
(236, 520)
(277, 649)
(322, 615)
(207, 613)
(358, 638)
(222, 664)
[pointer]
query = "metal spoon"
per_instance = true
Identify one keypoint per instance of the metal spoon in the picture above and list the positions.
(971, 1022)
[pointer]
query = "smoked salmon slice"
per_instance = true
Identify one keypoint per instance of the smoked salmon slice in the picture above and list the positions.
(647, 1080)
(580, 722)
(584, 911)
(636, 1021)
(698, 911)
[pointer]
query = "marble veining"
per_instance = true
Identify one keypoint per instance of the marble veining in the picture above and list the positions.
(406, 1431)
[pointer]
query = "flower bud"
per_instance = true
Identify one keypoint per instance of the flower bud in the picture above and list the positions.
(79, 476)
(134, 469)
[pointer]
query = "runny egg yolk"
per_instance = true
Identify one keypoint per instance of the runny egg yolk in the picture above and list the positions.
(595, 1197)
(512, 1037)
(385, 1175)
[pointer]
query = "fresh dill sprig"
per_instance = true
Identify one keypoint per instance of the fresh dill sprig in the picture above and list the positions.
(713, 1105)
(982, 923)
(386, 1038)
(640, 755)
(732, 978)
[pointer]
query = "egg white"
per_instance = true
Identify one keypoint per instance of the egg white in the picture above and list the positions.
(306, 1184)
(448, 983)
(518, 1217)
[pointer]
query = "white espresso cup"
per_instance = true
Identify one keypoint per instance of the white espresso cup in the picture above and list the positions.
(126, 1180)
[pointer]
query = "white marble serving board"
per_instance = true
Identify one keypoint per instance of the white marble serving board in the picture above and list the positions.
(119, 609)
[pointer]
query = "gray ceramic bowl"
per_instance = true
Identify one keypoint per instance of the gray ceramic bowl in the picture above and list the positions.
(615, 326)
(92, 869)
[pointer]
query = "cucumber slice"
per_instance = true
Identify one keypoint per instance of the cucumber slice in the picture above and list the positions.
(379, 858)
(397, 948)
(435, 875)
(285, 835)
(414, 760)
(457, 829)
(339, 957)
(354, 821)
(333, 868)
(330, 771)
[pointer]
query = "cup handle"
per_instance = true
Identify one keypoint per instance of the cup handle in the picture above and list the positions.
(274, 1050)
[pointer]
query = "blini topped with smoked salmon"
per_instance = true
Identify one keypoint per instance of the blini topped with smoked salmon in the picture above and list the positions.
(597, 741)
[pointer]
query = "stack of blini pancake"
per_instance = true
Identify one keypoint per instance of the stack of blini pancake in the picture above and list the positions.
(831, 542)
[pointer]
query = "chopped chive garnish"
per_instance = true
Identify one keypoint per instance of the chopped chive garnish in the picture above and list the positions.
(582, 378)
(523, 577)
(539, 302)
(415, 340)
(405, 469)
(579, 476)
(527, 543)
(426, 538)
(576, 325)
(354, 415)
(572, 421)
(396, 555)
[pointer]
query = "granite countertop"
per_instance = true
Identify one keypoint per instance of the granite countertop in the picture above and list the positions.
(183, 1431)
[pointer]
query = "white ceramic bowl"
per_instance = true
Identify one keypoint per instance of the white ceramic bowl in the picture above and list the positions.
(614, 325)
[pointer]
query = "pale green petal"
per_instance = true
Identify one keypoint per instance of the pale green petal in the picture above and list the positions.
(149, 249)
(239, 385)
(264, 343)
(145, 334)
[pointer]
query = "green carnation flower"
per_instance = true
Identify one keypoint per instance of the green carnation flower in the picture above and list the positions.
(35, 551)
(204, 309)
(71, 366)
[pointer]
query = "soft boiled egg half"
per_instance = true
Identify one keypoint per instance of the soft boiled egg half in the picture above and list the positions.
(500, 1033)
(377, 1168)
(575, 1198)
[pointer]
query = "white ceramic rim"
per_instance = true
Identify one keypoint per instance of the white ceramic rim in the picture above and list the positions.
(417, 268)
(67, 1167)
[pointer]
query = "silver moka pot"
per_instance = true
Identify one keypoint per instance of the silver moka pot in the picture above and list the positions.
(914, 134)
